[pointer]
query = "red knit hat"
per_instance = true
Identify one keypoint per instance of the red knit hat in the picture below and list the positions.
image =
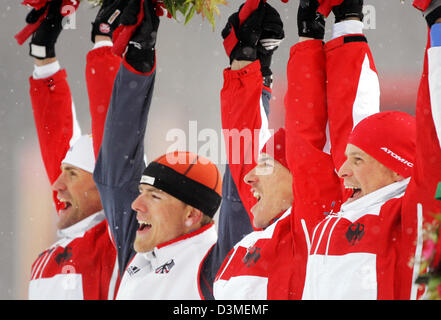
(389, 137)
(275, 147)
(193, 179)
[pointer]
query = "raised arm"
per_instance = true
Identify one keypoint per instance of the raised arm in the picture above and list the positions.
(120, 161)
(419, 204)
(330, 89)
(244, 123)
(316, 188)
(51, 99)
(325, 83)
(102, 66)
(244, 107)
(246, 92)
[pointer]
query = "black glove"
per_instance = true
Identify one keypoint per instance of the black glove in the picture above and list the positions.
(310, 23)
(433, 12)
(270, 39)
(108, 17)
(348, 9)
(248, 34)
(141, 49)
(43, 40)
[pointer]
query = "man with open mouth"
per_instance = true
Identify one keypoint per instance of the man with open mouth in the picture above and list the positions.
(82, 263)
(371, 248)
(294, 165)
(369, 244)
(160, 215)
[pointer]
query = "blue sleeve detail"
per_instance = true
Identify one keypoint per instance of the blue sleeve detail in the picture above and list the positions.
(266, 97)
(120, 162)
(435, 35)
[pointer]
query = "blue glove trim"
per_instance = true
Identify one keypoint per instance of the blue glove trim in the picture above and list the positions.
(435, 35)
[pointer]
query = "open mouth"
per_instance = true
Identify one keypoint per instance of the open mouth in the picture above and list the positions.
(66, 205)
(144, 226)
(257, 195)
(355, 193)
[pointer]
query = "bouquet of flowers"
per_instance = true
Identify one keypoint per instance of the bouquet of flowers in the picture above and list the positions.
(430, 268)
(187, 8)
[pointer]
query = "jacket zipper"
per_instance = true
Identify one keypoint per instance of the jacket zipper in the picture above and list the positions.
(327, 219)
(325, 227)
(329, 236)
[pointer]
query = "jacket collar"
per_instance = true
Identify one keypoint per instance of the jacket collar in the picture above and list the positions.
(166, 251)
(375, 198)
(82, 226)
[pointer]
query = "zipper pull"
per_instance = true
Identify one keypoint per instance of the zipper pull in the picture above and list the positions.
(332, 210)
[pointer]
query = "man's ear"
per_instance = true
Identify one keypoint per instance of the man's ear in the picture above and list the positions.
(193, 217)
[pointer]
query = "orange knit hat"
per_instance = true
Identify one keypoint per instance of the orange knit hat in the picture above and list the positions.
(193, 179)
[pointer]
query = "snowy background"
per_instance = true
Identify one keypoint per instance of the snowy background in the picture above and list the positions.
(189, 78)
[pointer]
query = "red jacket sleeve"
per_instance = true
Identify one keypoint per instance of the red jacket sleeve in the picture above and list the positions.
(419, 203)
(242, 119)
(330, 87)
(315, 183)
(352, 89)
(101, 69)
(52, 106)
(427, 172)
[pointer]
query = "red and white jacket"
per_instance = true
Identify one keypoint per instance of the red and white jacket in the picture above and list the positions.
(371, 248)
(247, 271)
(270, 264)
(170, 271)
(82, 264)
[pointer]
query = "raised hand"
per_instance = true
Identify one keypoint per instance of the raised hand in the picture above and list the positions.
(141, 48)
(108, 18)
(43, 40)
(270, 38)
(248, 34)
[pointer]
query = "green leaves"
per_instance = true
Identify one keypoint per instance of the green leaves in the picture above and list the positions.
(190, 14)
(207, 9)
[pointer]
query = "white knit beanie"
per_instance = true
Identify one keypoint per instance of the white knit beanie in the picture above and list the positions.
(81, 154)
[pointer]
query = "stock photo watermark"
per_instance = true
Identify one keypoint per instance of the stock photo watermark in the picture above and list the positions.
(69, 13)
(370, 17)
(69, 20)
(243, 145)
